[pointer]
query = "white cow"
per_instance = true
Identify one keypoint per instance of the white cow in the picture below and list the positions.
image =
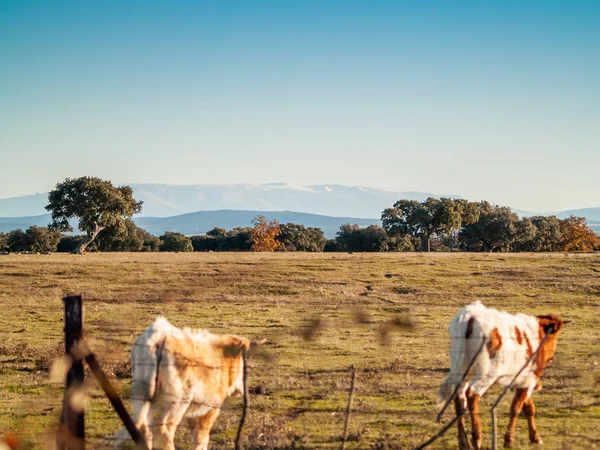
(509, 341)
(182, 374)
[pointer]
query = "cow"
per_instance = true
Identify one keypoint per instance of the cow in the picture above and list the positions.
(182, 374)
(509, 342)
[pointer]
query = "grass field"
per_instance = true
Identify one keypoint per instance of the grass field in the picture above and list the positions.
(301, 386)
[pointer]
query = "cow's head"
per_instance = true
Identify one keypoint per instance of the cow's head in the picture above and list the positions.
(234, 349)
(551, 325)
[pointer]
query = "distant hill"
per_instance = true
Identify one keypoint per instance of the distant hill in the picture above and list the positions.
(203, 221)
(27, 205)
(13, 223)
(162, 200)
(173, 203)
(591, 214)
(594, 225)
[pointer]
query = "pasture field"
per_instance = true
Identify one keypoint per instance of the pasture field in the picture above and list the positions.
(300, 387)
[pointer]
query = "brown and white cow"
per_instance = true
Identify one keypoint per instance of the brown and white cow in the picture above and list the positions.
(182, 374)
(509, 342)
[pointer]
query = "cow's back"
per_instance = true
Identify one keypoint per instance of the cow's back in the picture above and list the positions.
(510, 340)
(196, 365)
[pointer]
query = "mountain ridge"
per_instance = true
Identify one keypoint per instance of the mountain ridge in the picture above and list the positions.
(163, 201)
(166, 200)
(200, 222)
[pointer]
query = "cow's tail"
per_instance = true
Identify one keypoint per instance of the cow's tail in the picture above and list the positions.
(458, 361)
(146, 361)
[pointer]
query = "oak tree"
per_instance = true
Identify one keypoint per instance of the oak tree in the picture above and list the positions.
(425, 219)
(96, 203)
(175, 242)
(496, 229)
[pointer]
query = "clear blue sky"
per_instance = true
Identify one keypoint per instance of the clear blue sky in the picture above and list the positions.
(493, 100)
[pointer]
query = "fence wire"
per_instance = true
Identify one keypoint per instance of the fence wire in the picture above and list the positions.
(333, 389)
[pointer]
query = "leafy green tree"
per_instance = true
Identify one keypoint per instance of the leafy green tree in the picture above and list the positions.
(547, 238)
(204, 243)
(298, 238)
(151, 243)
(447, 243)
(34, 239)
(175, 242)
(3, 242)
(403, 243)
(238, 239)
(526, 231)
(95, 202)
(41, 239)
(68, 243)
(127, 238)
(353, 238)
(496, 230)
(331, 246)
(429, 218)
(17, 241)
(215, 232)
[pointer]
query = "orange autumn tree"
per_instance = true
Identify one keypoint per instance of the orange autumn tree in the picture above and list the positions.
(264, 235)
(577, 236)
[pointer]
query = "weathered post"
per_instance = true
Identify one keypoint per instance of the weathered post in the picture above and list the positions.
(349, 407)
(71, 435)
(114, 398)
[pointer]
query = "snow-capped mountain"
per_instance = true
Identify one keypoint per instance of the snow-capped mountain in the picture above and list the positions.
(163, 200)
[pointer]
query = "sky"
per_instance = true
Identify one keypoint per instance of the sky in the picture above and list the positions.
(483, 99)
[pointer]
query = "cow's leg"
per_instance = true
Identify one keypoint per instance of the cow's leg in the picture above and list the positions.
(515, 409)
(460, 404)
(479, 386)
(168, 418)
(143, 420)
(475, 419)
(200, 429)
(529, 409)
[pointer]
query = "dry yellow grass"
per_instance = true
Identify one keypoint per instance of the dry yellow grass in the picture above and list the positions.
(301, 385)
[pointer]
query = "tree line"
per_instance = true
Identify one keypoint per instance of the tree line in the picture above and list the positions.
(104, 213)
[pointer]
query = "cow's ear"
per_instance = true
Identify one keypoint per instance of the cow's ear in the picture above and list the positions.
(550, 323)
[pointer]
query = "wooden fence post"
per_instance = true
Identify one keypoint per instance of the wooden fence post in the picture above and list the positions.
(71, 435)
(349, 407)
(114, 398)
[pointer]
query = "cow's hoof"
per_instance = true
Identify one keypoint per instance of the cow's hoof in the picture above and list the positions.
(463, 444)
(536, 440)
(508, 442)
